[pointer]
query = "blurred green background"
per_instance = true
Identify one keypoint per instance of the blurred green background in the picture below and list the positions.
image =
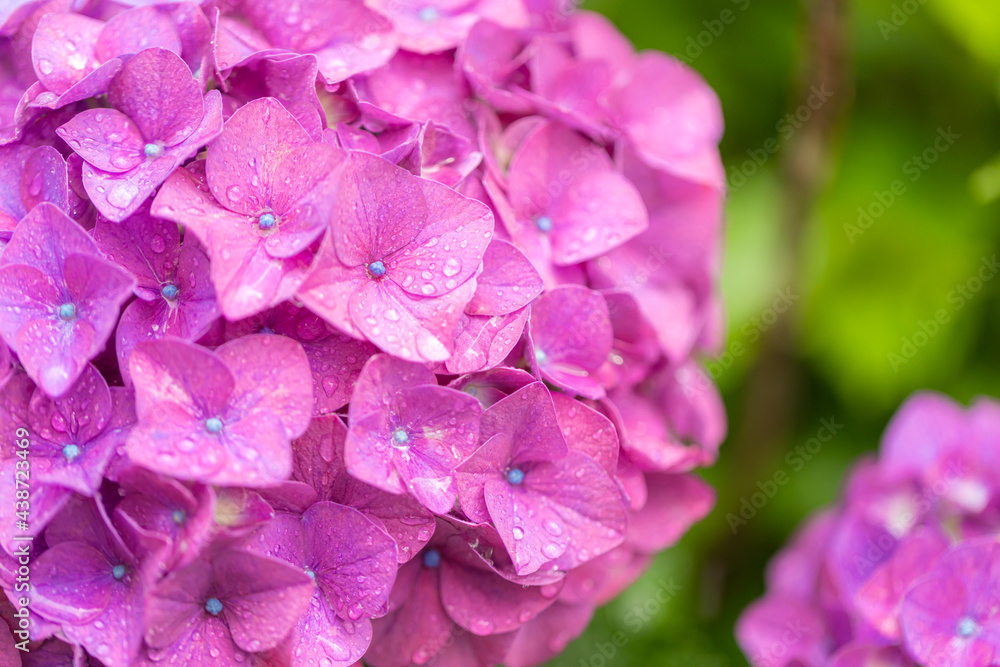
(883, 305)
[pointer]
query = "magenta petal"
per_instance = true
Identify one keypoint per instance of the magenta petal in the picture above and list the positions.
(879, 600)
(353, 559)
(528, 418)
(292, 80)
(488, 463)
(328, 288)
(454, 237)
(243, 161)
(570, 329)
(45, 179)
(380, 208)
(587, 430)
(319, 461)
(938, 603)
(440, 427)
(418, 629)
(664, 90)
(380, 382)
(567, 511)
(158, 74)
(62, 50)
(117, 196)
(763, 625)
(136, 29)
(674, 503)
(508, 281)
(271, 374)
(483, 342)
(145, 246)
(262, 597)
(72, 583)
(324, 638)
(414, 328)
(106, 138)
(484, 603)
(596, 210)
(547, 635)
(304, 205)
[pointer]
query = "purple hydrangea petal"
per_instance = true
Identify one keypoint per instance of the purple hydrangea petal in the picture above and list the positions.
(406, 326)
(674, 503)
(292, 80)
(568, 512)
(508, 281)
(944, 619)
(62, 50)
(105, 138)
(596, 211)
(271, 375)
(45, 178)
(136, 29)
(546, 635)
(416, 630)
(454, 238)
(571, 332)
(243, 163)
(145, 246)
(880, 599)
(662, 89)
(158, 74)
(319, 461)
(483, 341)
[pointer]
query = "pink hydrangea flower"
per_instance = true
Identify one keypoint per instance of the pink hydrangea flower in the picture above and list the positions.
(407, 310)
(904, 570)
(134, 146)
(59, 297)
(222, 417)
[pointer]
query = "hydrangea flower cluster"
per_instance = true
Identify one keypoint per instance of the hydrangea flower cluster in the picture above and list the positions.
(906, 569)
(336, 329)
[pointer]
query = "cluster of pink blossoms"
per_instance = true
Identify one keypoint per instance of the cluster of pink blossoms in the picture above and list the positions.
(906, 570)
(336, 329)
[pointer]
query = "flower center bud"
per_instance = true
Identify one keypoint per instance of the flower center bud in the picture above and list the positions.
(400, 436)
(67, 311)
(544, 224)
(266, 221)
(213, 606)
(178, 516)
(169, 291)
(428, 14)
(377, 269)
(515, 476)
(540, 356)
(71, 452)
(153, 150)
(966, 627)
(213, 424)
(432, 558)
(118, 571)
(311, 574)
(266, 330)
